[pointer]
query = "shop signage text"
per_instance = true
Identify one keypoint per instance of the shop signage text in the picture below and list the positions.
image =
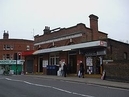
(95, 53)
(3, 62)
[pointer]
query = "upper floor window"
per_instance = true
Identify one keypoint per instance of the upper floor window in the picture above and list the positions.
(27, 47)
(8, 47)
(125, 55)
(4, 57)
(7, 56)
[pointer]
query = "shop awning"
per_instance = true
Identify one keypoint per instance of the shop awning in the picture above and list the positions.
(27, 53)
(72, 47)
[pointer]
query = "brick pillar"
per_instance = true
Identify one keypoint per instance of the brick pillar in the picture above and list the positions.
(80, 57)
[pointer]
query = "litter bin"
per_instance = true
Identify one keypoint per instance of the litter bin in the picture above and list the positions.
(54, 69)
(48, 70)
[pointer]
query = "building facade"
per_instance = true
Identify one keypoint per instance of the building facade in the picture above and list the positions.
(72, 45)
(10, 51)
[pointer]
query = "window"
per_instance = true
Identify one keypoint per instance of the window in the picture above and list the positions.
(27, 47)
(11, 56)
(57, 60)
(125, 55)
(4, 57)
(11, 47)
(7, 47)
(54, 59)
(7, 56)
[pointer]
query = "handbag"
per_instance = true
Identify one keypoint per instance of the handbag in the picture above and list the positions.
(79, 73)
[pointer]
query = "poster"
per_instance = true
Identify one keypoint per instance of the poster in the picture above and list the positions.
(45, 63)
(89, 61)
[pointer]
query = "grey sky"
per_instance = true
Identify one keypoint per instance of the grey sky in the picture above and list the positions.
(20, 17)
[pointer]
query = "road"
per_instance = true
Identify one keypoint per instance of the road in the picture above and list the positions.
(32, 86)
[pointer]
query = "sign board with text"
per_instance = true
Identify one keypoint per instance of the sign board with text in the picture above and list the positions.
(4, 62)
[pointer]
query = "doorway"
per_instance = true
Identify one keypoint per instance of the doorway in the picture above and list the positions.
(72, 66)
(41, 65)
(29, 66)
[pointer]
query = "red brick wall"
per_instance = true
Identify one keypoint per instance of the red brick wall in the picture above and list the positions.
(63, 55)
(87, 35)
(62, 32)
(80, 57)
(117, 70)
(19, 45)
(116, 49)
(102, 35)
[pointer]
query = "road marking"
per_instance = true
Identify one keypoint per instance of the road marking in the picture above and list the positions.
(46, 86)
(118, 88)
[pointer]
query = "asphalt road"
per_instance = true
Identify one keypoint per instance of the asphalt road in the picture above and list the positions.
(32, 86)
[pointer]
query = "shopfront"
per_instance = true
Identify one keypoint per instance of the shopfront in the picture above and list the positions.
(13, 66)
(94, 61)
(91, 53)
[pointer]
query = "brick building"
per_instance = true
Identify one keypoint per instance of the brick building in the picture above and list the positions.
(116, 61)
(8, 48)
(75, 44)
(70, 45)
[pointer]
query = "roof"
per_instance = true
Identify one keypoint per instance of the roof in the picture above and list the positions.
(16, 40)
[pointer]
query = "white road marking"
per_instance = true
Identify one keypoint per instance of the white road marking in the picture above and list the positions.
(59, 89)
(90, 84)
(118, 88)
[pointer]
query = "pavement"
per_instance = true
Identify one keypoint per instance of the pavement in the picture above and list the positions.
(94, 81)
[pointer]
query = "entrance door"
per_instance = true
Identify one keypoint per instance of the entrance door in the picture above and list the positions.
(98, 65)
(72, 64)
(29, 66)
(41, 65)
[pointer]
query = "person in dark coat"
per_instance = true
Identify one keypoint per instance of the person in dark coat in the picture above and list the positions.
(65, 69)
(82, 69)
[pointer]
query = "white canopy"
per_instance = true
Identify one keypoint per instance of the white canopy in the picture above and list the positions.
(71, 47)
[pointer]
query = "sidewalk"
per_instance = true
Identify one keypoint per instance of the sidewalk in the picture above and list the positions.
(95, 81)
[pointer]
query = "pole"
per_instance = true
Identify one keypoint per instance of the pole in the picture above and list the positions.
(16, 62)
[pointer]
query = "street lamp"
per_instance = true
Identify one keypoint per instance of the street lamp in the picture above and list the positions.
(15, 58)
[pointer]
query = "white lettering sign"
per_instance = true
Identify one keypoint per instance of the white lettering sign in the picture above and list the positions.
(3, 62)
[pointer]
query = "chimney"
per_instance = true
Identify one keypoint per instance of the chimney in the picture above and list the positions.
(6, 35)
(47, 30)
(94, 26)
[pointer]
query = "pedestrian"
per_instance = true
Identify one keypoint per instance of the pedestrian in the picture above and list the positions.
(60, 71)
(81, 69)
(64, 69)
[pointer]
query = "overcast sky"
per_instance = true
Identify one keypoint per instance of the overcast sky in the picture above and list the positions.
(25, 18)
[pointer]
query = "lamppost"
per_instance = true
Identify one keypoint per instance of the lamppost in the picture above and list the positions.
(15, 58)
